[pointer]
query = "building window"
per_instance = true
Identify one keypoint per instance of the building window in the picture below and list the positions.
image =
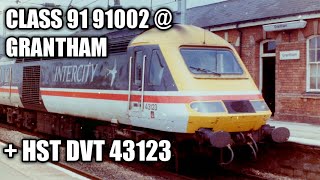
(269, 47)
(313, 63)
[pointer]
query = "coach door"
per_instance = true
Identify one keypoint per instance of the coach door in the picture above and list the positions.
(137, 68)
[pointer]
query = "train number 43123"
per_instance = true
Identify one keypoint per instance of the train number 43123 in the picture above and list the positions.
(150, 150)
(151, 107)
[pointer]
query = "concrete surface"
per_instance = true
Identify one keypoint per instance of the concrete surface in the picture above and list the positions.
(301, 133)
(15, 169)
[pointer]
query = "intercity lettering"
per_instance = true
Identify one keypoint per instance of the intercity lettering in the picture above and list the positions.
(75, 73)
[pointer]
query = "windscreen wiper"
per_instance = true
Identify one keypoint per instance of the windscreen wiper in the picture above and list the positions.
(204, 70)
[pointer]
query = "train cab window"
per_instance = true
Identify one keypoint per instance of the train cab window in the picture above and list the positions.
(138, 60)
(155, 69)
(211, 61)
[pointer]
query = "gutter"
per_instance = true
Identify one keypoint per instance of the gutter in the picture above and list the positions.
(271, 20)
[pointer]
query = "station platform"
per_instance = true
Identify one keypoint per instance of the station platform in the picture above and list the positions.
(301, 133)
(14, 168)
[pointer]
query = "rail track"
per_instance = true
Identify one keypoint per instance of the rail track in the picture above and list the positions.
(149, 169)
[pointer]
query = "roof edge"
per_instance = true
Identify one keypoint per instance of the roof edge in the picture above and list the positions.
(263, 21)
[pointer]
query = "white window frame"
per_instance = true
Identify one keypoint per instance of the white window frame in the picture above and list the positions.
(308, 66)
(262, 55)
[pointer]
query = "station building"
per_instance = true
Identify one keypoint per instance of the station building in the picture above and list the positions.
(279, 42)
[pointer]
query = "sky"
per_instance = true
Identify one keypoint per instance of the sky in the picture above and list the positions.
(93, 3)
(172, 4)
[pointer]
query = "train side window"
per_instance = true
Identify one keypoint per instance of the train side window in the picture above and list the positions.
(155, 69)
(138, 60)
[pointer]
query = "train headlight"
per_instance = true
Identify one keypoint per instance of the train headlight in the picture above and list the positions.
(259, 106)
(207, 107)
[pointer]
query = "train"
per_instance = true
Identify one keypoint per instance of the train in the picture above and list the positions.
(185, 84)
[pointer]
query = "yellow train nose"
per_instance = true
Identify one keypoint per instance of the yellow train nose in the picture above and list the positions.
(228, 123)
(229, 116)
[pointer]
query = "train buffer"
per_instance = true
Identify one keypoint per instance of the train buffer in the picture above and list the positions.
(13, 168)
(301, 133)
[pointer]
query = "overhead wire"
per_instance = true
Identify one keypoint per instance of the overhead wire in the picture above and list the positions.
(164, 4)
(91, 3)
(74, 1)
(25, 1)
(70, 3)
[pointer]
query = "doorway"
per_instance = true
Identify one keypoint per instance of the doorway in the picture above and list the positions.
(267, 83)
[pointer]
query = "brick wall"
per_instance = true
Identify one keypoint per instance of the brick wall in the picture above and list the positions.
(293, 103)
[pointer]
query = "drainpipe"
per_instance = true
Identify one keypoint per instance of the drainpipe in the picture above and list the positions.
(240, 40)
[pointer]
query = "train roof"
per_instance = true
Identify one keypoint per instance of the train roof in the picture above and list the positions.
(4, 60)
(118, 40)
(180, 35)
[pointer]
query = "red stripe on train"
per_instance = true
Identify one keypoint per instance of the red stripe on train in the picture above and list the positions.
(7, 90)
(149, 98)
